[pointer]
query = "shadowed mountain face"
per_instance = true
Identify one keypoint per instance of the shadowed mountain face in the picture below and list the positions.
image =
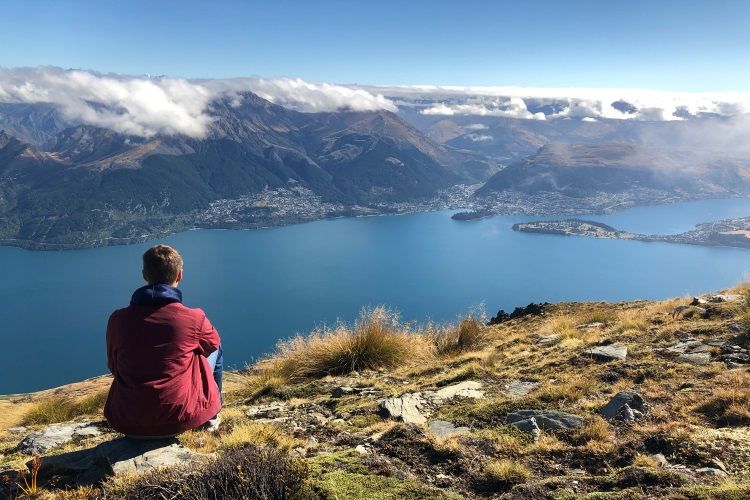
(81, 177)
(583, 169)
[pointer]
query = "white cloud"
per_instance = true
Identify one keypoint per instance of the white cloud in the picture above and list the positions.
(550, 103)
(476, 126)
(131, 105)
(145, 106)
(305, 96)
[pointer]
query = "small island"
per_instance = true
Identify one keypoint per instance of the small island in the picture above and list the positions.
(728, 232)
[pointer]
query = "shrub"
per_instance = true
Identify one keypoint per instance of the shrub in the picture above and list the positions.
(377, 340)
(470, 333)
(250, 472)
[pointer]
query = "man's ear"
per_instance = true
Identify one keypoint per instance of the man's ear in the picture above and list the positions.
(179, 275)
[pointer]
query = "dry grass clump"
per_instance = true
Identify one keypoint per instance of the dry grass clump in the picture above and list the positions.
(469, 334)
(645, 461)
(569, 389)
(506, 440)
(599, 316)
(502, 474)
(729, 405)
(63, 408)
(377, 340)
(258, 434)
(249, 472)
(596, 437)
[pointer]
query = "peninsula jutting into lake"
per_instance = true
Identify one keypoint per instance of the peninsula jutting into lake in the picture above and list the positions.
(727, 232)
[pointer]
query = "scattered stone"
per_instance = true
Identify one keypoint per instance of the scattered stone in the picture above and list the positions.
(519, 388)
(445, 429)
(688, 346)
(118, 457)
(699, 301)
(627, 414)
(342, 391)
(719, 464)
(465, 389)
(269, 411)
(711, 471)
(551, 420)
(660, 460)
(695, 358)
(630, 401)
(683, 311)
(361, 450)
(405, 408)
(338, 392)
(724, 297)
(548, 339)
(16, 430)
(56, 435)
(608, 352)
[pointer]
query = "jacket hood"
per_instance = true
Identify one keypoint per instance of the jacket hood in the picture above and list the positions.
(156, 295)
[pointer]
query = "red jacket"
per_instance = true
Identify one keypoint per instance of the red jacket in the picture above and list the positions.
(156, 350)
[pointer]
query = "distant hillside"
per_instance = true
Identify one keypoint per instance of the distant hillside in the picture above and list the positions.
(580, 170)
(79, 185)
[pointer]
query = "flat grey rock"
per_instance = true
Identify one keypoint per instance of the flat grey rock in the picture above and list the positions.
(519, 388)
(56, 435)
(551, 420)
(406, 408)
(711, 471)
(695, 358)
(445, 429)
(608, 352)
(117, 457)
(631, 399)
(465, 389)
(272, 410)
(686, 346)
(548, 339)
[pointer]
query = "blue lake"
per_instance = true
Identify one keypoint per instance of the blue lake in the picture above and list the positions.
(263, 285)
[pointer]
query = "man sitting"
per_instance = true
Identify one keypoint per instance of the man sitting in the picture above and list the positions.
(166, 358)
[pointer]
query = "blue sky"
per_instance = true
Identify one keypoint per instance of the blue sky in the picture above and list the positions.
(669, 45)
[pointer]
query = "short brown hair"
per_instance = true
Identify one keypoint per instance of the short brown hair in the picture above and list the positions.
(161, 264)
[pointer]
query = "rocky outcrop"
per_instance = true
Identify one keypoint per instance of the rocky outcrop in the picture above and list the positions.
(117, 457)
(445, 429)
(56, 435)
(552, 420)
(414, 408)
(625, 405)
(405, 408)
(608, 352)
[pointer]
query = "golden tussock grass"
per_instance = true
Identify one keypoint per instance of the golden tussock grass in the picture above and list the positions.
(259, 434)
(63, 408)
(729, 405)
(470, 333)
(377, 340)
(503, 473)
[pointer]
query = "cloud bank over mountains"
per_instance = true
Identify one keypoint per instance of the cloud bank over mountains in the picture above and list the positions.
(550, 103)
(145, 105)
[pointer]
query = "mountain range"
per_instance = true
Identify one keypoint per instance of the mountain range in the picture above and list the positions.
(65, 184)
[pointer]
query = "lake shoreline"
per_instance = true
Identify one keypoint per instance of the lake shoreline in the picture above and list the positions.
(466, 212)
